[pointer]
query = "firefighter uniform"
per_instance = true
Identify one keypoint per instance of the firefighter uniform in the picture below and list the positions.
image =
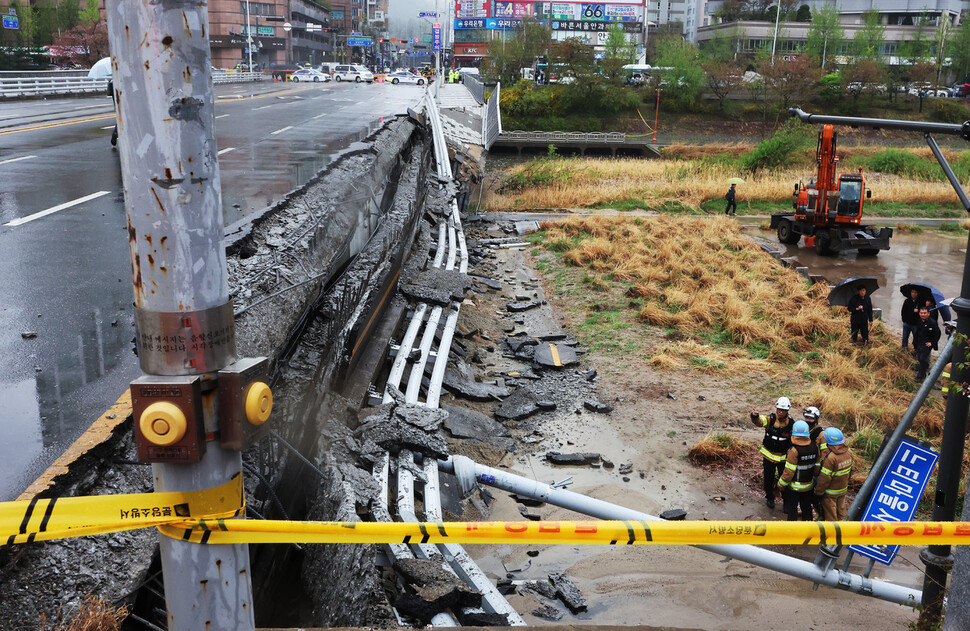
(801, 466)
(833, 481)
(774, 451)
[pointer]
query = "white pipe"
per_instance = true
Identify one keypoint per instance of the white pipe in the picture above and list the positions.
(439, 253)
(397, 368)
(417, 371)
(469, 472)
(441, 361)
(452, 247)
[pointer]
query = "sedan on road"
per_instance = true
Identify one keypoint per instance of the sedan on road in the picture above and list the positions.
(405, 76)
(309, 74)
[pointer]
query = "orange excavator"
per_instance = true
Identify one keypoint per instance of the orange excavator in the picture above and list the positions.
(829, 210)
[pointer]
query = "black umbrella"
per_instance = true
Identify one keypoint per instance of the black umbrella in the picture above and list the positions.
(840, 294)
(928, 292)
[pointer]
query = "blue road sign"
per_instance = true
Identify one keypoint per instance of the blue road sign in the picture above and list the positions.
(427, 14)
(436, 37)
(897, 494)
(11, 21)
(362, 41)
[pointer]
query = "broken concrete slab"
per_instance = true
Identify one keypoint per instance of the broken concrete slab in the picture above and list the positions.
(674, 514)
(397, 426)
(626, 468)
(596, 406)
(435, 286)
(516, 307)
(575, 459)
(462, 386)
(516, 343)
(568, 592)
(543, 588)
(491, 283)
(465, 423)
(519, 405)
(555, 355)
(548, 612)
(435, 589)
(526, 227)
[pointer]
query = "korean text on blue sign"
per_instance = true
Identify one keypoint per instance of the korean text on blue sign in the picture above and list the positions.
(896, 496)
(364, 41)
(503, 23)
(427, 14)
(11, 21)
(436, 37)
(464, 23)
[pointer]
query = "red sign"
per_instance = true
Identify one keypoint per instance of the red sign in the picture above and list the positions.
(471, 50)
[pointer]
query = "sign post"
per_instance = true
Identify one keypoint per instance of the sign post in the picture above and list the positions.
(898, 493)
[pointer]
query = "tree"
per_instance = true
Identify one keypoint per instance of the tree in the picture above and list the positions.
(27, 17)
(789, 80)
(825, 33)
(804, 14)
(507, 57)
(723, 46)
(682, 77)
(862, 76)
(960, 51)
(922, 75)
(88, 42)
(869, 39)
(941, 41)
(723, 79)
(618, 52)
(916, 47)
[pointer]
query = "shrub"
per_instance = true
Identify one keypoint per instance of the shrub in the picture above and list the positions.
(791, 138)
(948, 111)
(717, 447)
(899, 162)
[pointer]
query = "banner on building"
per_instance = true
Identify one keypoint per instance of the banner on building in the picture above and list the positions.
(472, 8)
(593, 26)
(513, 10)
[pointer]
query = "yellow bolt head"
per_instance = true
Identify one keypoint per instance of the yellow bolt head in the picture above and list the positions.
(163, 423)
(259, 403)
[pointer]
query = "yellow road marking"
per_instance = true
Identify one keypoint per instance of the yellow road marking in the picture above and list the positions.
(555, 355)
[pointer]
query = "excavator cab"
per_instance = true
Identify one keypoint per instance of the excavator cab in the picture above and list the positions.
(849, 206)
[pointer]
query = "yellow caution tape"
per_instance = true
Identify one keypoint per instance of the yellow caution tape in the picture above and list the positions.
(221, 531)
(58, 518)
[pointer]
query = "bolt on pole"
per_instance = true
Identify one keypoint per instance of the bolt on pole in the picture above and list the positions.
(185, 331)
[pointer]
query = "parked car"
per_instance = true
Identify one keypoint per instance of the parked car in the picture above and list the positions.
(405, 76)
(351, 72)
(464, 72)
(309, 74)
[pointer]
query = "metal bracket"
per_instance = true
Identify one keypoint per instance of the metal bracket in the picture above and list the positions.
(928, 558)
(185, 342)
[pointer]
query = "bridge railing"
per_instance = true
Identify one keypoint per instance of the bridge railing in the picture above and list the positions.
(44, 83)
(492, 118)
(564, 136)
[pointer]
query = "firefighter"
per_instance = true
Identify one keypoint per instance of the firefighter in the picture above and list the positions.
(801, 466)
(774, 445)
(833, 478)
(812, 416)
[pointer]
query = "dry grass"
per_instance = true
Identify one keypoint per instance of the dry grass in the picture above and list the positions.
(587, 183)
(718, 447)
(699, 152)
(96, 614)
(728, 308)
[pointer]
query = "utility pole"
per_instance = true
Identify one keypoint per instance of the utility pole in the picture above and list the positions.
(775, 40)
(191, 406)
(249, 36)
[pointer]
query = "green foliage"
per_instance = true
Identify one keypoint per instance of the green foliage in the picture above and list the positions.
(869, 39)
(507, 57)
(950, 226)
(684, 78)
(17, 58)
(527, 100)
(545, 171)
(831, 87)
(793, 137)
(866, 442)
(804, 14)
(960, 51)
(899, 162)
(949, 111)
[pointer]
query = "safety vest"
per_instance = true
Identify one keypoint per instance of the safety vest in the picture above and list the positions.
(804, 476)
(946, 384)
(777, 440)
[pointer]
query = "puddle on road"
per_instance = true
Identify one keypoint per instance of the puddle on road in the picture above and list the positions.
(930, 258)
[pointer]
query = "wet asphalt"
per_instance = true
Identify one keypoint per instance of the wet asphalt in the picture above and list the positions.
(65, 284)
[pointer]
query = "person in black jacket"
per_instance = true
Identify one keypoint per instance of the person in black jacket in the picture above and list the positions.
(910, 317)
(860, 315)
(732, 206)
(926, 338)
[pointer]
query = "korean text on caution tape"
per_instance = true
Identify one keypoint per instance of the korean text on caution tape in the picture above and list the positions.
(57, 518)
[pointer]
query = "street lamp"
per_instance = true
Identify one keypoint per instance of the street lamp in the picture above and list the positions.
(775, 40)
(249, 36)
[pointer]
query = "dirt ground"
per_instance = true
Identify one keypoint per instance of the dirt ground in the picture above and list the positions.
(656, 417)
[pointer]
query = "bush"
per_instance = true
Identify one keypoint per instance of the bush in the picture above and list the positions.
(718, 447)
(527, 100)
(949, 111)
(899, 162)
(791, 138)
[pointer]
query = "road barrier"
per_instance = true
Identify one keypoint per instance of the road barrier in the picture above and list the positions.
(54, 83)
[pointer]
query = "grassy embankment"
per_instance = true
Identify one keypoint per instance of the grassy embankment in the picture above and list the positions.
(683, 296)
(905, 182)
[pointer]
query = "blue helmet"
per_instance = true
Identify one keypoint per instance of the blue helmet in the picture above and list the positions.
(833, 436)
(800, 429)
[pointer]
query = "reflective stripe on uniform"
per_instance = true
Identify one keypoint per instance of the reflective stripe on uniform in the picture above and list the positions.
(772, 456)
(791, 467)
(801, 486)
(836, 491)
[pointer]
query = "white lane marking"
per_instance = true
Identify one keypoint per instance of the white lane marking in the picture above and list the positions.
(280, 131)
(109, 127)
(226, 150)
(222, 115)
(9, 160)
(59, 207)
(315, 117)
(256, 109)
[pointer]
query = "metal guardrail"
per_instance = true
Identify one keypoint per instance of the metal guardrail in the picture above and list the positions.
(567, 136)
(492, 118)
(43, 83)
(475, 87)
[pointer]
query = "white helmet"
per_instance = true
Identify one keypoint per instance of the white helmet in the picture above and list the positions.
(783, 404)
(813, 413)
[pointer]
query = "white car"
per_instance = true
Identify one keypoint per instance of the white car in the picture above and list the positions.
(405, 76)
(309, 74)
(356, 73)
